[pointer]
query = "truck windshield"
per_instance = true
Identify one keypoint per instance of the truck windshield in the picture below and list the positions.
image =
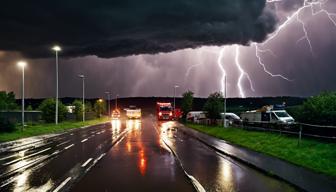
(281, 114)
(165, 108)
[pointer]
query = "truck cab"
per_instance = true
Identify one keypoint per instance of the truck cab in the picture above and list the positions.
(164, 111)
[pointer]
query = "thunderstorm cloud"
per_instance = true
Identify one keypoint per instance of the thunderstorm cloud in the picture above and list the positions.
(129, 27)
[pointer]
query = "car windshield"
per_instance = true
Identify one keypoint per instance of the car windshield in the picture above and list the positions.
(282, 114)
(165, 108)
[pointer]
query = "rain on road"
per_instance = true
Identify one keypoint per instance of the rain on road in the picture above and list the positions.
(126, 155)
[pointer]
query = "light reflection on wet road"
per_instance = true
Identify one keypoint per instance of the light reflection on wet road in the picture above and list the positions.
(138, 163)
(214, 171)
(42, 165)
(125, 155)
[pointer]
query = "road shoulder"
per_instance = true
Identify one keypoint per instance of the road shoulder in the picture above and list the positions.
(297, 176)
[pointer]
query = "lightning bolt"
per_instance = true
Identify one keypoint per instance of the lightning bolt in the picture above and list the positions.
(219, 63)
(242, 74)
(316, 6)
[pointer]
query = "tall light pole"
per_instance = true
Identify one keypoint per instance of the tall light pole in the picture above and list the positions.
(109, 106)
(224, 102)
(83, 79)
(116, 102)
(22, 65)
(56, 49)
(100, 107)
(175, 86)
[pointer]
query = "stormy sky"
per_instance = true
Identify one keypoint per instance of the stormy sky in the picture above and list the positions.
(143, 48)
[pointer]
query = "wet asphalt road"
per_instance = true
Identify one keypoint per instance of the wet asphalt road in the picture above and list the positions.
(126, 155)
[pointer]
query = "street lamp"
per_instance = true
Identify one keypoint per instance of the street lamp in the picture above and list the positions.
(83, 79)
(109, 106)
(22, 65)
(116, 102)
(100, 107)
(175, 86)
(224, 102)
(56, 49)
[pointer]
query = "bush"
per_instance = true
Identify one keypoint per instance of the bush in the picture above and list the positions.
(320, 109)
(100, 107)
(6, 125)
(7, 101)
(48, 107)
(78, 109)
(187, 102)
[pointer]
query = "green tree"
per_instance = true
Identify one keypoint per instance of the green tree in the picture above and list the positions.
(29, 108)
(88, 106)
(187, 102)
(320, 109)
(48, 107)
(78, 109)
(214, 105)
(100, 107)
(7, 101)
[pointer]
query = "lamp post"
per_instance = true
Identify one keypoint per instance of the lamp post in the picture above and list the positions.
(22, 65)
(109, 106)
(56, 49)
(100, 107)
(83, 81)
(116, 102)
(175, 86)
(224, 102)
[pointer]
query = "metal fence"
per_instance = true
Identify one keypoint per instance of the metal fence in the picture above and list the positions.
(322, 132)
(300, 130)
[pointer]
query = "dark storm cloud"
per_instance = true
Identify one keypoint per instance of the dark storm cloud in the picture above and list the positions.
(126, 27)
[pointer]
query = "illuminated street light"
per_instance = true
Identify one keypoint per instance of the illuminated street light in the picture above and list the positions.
(56, 49)
(224, 95)
(83, 78)
(116, 102)
(22, 65)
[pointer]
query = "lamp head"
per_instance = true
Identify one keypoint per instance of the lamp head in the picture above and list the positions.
(56, 48)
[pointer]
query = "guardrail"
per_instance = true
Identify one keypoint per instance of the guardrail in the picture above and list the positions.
(300, 129)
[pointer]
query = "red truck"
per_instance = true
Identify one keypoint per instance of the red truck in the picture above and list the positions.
(164, 111)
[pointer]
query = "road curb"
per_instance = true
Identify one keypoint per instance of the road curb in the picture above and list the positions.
(299, 177)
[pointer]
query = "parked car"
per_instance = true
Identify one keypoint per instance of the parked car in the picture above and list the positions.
(231, 118)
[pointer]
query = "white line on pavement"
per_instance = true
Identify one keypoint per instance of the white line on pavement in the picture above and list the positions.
(67, 147)
(86, 162)
(25, 157)
(84, 140)
(62, 184)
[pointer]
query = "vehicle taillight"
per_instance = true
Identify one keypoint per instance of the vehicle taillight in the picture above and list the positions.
(160, 113)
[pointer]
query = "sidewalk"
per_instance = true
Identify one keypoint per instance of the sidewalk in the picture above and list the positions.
(298, 176)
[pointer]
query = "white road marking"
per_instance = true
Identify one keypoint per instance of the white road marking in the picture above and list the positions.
(67, 147)
(101, 156)
(25, 157)
(62, 184)
(84, 140)
(4, 158)
(62, 143)
(86, 162)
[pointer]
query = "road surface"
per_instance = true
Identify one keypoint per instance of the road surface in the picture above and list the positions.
(126, 155)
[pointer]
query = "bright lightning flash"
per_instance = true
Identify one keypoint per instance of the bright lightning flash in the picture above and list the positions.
(242, 74)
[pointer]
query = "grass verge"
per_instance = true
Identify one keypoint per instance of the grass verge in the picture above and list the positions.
(316, 155)
(45, 128)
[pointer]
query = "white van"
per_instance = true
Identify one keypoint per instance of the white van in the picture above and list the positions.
(196, 116)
